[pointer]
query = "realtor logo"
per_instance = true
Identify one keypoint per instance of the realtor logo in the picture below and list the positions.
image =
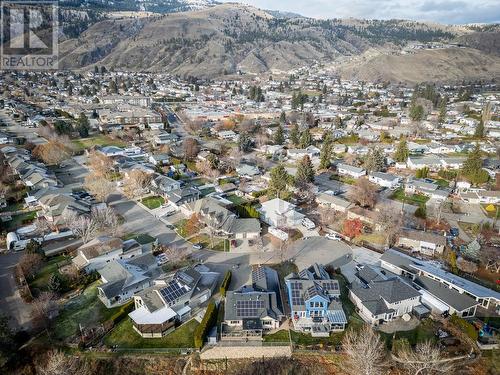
(29, 35)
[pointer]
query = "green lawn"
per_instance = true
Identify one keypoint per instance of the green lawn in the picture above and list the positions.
(280, 336)
(124, 336)
(86, 309)
(42, 277)
(344, 179)
(153, 202)
(415, 199)
(442, 182)
(98, 140)
(142, 238)
(180, 226)
(20, 220)
(236, 199)
(425, 331)
(13, 207)
(221, 245)
(205, 192)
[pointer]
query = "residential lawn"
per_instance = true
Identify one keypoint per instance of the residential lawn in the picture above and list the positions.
(222, 245)
(205, 192)
(98, 140)
(285, 268)
(142, 238)
(153, 202)
(124, 336)
(375, 238)
(42, 277)
(200, 181)
(20, 220)
(415, 199)
(13, 207)
(180, 226)
(442, 182)
(236, 199)
(425, 331)
(86, 309)
(344, 179)
(280, 336)
(202, 239)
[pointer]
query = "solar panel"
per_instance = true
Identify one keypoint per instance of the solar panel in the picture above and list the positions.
(173, 291)
(248, 308)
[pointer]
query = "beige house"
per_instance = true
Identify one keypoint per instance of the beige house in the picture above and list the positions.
(426, 243)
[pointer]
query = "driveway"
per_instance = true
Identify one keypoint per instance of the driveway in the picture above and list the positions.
(11, 303)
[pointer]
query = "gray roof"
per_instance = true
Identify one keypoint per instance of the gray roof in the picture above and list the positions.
(375, 295)
(419, 235)
(340, 253)
(350, 168)
(251, 305)
(445, 294)
(385, 176)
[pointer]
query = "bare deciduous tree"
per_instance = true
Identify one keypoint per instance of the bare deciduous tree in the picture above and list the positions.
(390, 220)
(52, 152)
(99, 164)
(83, 227)
(136, 183)
(99, 186)
(107, 220)
(427, 359)
(363, 192)
(55, 363)
(44, 307)
(30, 264)
(206, 169)
(191, 148)
(365, 351)
(466, 266)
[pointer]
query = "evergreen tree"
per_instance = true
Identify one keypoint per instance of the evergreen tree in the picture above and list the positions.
(305, 138)
(326, 152)
(279, 182)
(472, 167)
(244, 142)
(375, 160)
(442, 110)
(305, 172)
(279, 137)
(479, 132)
(402, 152)
(294, 135)
(282, 117)
(83, 125)
(416, 112)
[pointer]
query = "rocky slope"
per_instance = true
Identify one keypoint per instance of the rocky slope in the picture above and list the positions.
(229, 38)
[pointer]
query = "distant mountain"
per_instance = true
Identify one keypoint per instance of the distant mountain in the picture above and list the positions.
(156, 6)
(227, 38)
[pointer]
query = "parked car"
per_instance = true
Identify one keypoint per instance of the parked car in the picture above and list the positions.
(197, 246)
(333, 236)
(308, 223)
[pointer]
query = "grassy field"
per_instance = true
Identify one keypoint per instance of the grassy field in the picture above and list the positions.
(415, 199)
(86, 309)
(153, 202)
(20, 220)
(236, 199)
(124, 336)
(42, 277)
(98, 140)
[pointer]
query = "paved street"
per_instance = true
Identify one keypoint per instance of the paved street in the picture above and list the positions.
(11, 303)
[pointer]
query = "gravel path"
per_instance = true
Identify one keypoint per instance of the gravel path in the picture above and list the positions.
(235, 352)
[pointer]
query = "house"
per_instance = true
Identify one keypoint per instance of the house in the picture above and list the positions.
(481, 196)
(334, 202)
(111, 151)
(247, 171)
(297, 154)
(254, 308)
(228, 135)
(425, 187)
(349, 170)
(183, 195)
(427, 243)
(314, 301)
(222, 221)
(162, 184)
(159, 159)
(122, 278)
(410, 267)
(380, 298)
(97, 253)
(55, 207)
(164, 138)
(386, 180)
(280, 213)
(171, 299)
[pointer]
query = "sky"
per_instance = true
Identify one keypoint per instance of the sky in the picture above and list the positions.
(442, 11)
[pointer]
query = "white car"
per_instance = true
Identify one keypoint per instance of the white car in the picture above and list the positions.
(308, 223)
(333, 236)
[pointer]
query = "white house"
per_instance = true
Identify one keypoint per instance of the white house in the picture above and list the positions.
(387, 180)
(349, 170)
(280, 213)
(227, 135)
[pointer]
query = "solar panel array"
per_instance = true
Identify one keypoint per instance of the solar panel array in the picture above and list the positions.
(258, 273)
(296, 291)
(247, 309)
(330, 285)
(173, 291)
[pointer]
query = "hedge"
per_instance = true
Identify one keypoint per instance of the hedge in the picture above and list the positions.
(465, 326)
(206, 324)
(225, 283)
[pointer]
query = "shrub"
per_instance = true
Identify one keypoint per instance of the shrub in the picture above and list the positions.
(258, 194)
(207, 322)
(464, 326)
(225, 283)
(421, 212)
(122, 313)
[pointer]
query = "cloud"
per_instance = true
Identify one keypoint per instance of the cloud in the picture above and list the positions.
(443, 11)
